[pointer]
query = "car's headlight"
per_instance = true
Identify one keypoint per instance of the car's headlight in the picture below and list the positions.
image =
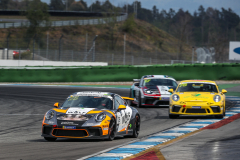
(100, 117)
(175, 97)
(217, 98)
(49, 115)
(147, 91)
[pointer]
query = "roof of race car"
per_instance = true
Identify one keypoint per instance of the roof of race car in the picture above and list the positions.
(197, 81)
(158, 76)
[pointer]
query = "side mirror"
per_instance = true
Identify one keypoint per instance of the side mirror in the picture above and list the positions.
(136, 84)
(56, 105)
(170, 90)
(121, 107)
(224, 91)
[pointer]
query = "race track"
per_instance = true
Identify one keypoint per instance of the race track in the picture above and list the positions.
(22, 111)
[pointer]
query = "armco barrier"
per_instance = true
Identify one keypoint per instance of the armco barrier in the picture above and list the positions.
(122, 73)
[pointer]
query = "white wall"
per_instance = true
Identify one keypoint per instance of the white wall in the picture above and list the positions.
(12, 63)
(3, 54)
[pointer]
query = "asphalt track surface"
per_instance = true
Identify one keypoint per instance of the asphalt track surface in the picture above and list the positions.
(22, 110)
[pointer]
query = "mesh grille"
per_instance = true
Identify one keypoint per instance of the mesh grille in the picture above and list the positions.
(162, 103)
(71, 133)
(176, 109)
(196, 111)
(47, 130)
(215, 109)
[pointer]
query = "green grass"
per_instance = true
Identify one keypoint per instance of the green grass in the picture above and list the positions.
(226, 86)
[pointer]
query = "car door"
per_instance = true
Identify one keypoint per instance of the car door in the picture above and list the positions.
(124, 115)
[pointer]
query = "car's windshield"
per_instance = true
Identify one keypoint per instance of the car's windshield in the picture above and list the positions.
(197, 87)
(159, 82)
(88, 102)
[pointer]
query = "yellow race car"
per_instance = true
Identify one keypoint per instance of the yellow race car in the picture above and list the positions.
(197, 97)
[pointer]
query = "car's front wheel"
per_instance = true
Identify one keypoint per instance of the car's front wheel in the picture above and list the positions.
(139, 100)
(112, 130)
(136, 126)
(173, 116)
(50, 139)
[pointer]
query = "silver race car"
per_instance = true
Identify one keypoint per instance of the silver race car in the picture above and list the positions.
(92, 115)
(152, 90)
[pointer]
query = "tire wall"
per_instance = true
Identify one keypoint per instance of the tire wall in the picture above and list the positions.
(122, 73)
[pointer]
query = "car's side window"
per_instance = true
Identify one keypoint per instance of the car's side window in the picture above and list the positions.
(175, 84)
(118, 101)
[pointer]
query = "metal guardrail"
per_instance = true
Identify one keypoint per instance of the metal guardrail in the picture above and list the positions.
(67, 23)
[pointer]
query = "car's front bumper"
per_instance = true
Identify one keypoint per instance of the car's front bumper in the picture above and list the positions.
(176, 109)
(155, 101)
(79, 132)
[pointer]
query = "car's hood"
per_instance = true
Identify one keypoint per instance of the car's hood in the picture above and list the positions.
(163, 90)
(196, 96)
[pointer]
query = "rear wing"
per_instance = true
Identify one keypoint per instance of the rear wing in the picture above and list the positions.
(128, 98)
(136, 80)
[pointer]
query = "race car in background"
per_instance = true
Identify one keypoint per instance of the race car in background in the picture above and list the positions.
(197, 97)
(152, 90)
(96, 115)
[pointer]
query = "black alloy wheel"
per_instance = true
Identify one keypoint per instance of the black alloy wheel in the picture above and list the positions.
(136, 127)
(111, 130)
(50, 139)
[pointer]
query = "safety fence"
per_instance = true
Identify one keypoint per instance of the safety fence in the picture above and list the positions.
(122, 73)
(67, 23)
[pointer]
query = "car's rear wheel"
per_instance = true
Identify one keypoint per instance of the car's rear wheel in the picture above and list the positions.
(112, 130)
(50, 139)
(139, 100)
(136, 127)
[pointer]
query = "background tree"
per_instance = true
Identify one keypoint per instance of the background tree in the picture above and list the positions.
(37, 12)
(56, 5)
(4, 4)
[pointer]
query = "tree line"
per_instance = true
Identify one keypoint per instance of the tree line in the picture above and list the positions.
(206, 26)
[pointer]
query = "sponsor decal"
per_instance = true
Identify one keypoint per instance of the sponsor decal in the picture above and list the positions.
(69, 123)
(196, 95)
(165, 98)
(89, 124)
(130, 125)
(73, 117)
(81, 111)
(50, 122)
(69, 127)
(196, 107)
(237, 50)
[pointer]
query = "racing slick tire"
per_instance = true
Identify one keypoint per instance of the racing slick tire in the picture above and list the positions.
(220, 116)
(50, 139)
(139, 105)
(112, 130)
(130, 101)
(173, 116)
(136, 127)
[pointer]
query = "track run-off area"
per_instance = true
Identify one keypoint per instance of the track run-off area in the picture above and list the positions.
(23, 107)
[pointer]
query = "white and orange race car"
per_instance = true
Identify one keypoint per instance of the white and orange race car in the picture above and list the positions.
(96, 115)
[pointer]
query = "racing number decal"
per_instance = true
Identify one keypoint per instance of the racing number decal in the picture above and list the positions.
(147, 80)
(183, 85)
(123, 118)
